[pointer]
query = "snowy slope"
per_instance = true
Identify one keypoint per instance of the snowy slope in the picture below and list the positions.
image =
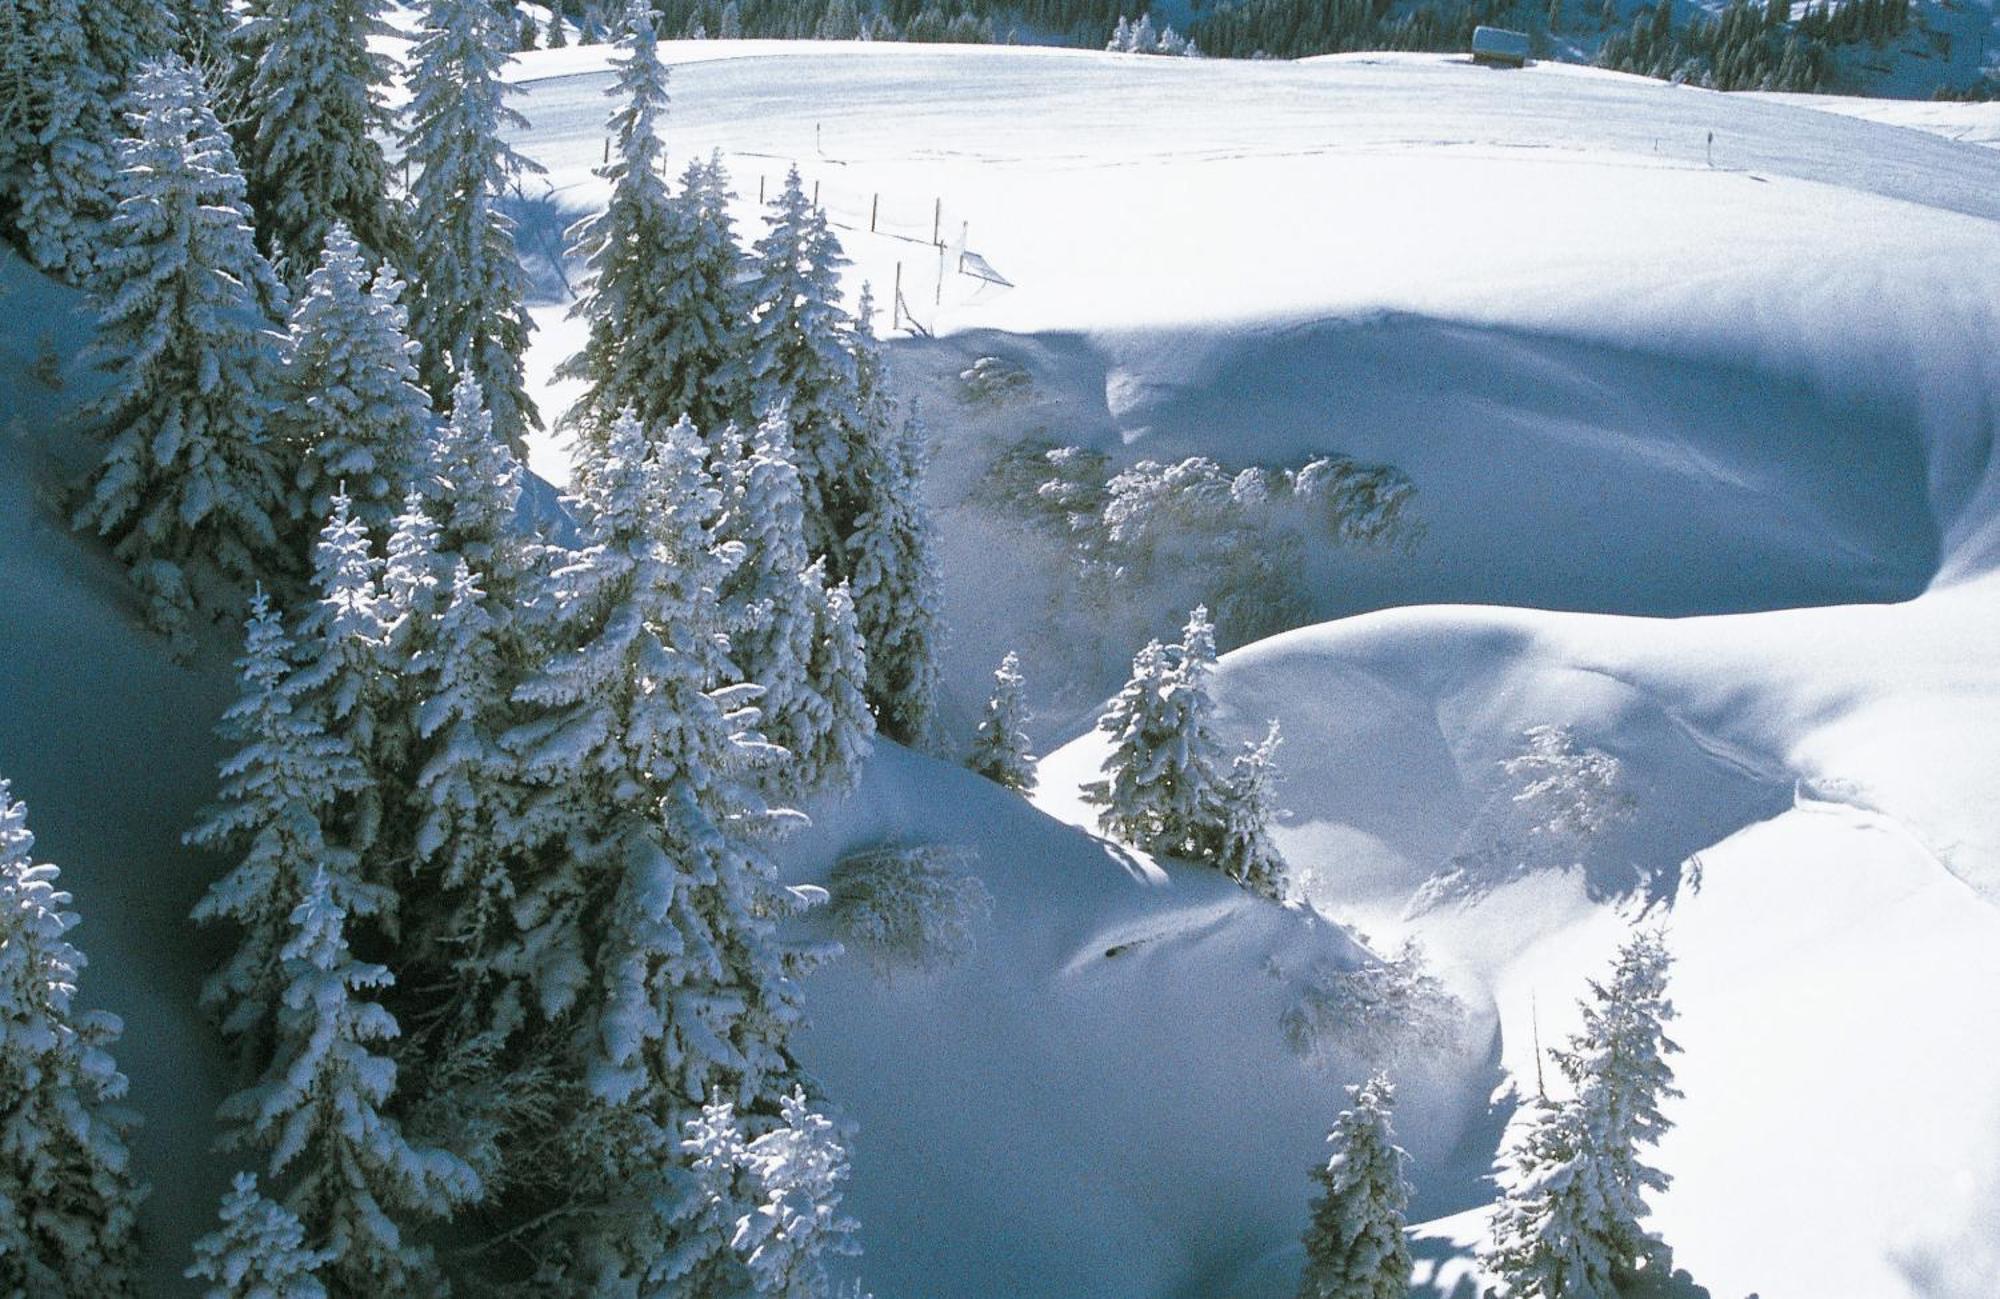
(1094, 970)
(1626, 384)
(110, 747)
(1629, 370)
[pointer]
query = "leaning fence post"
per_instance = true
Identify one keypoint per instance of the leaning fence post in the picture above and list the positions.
(760, 189)
(607, 151)
(815, 193)
(939, 300)
(937, 223)
(874, 208)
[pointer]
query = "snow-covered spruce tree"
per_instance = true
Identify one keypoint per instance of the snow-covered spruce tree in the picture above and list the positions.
(277, 789)
(1000, 746)
(343, 680)
(707, 326)
(354, 413)
(464, 792)
(799, 359)
(1246, 805)
(1161, 786)
(1141, 799)
(20, 82)
(412, 593)
(558, 35)
(259, 1251)
(456, 651)
(204, 27)
(468, 310)
(1355, 1247)
(652, 935)
(718, 1196)
(188, 485)
(65, 67)
(473, 480)
(779, 611)
(839, 675)
(897, 602)
(1568, 1222)
(311, 97)
(356, 1183)
(629, 249)
(68, 1200)
(798, 1169)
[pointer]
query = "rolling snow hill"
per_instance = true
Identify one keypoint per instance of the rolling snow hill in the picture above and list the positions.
(1701, 446)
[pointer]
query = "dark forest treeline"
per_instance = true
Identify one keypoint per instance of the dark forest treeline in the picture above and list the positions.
(1750, 45)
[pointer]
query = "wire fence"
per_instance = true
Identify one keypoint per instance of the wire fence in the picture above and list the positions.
(937, 270)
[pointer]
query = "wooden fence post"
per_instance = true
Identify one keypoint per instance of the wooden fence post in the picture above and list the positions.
(760, 189)
(815, 193)
(937, 223)
(939, 300)
(874, 209)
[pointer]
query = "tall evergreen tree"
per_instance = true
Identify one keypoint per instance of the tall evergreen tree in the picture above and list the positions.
(357, 1183)
(629, 248)
(68, 1200)
(259, 1251)
(311, 93)
(838, 672)
(780, 611)
(343, 679)
(277, 788)
(1568, 1223)
(897, 601)
(204, 27)
(65, 67)
(469, 311)
(474, 482)
(189, 483)
(704, 327)
(655, 932)
(357, 418)
(799, 360)
(464, 791)
(1000, 746)
(1355, 1247)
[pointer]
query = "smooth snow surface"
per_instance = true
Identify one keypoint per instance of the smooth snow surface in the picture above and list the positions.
(1629, 385)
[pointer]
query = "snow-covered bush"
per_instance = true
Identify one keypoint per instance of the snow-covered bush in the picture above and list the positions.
(1240, 533)
(259, 1251)
(910, 908)
(994, 381)
(1385, 1011)
(1567, 793)
(776, 1199)
(1555, 797)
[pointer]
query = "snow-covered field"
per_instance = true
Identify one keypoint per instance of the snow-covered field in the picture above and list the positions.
(1697, 394)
